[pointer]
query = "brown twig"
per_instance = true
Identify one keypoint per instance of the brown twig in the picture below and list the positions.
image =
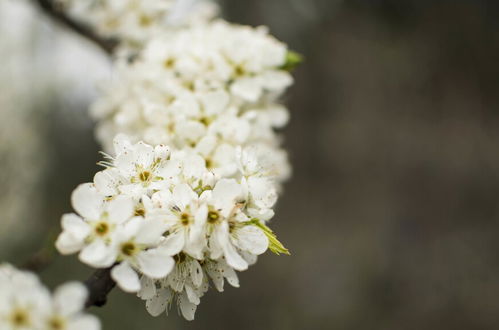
(99, 285)
(56, 11)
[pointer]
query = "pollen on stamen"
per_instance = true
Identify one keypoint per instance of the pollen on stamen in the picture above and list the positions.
(144, 176)
(169, 63)
(56, 324)
(128, 249)
(179, 258)
(185, 219)
(20, 318)
(213, 217)
(101, 228)
(140, 212)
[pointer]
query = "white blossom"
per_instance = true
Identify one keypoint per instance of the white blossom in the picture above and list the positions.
(185, 218)
(137, 247)
(186, 283)
(92, 230)
(26, 304)
(208, 89)
(166, 224)
(195, 162)
(135, 21)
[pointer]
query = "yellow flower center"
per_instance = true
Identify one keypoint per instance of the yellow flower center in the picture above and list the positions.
(213, 217)
(20, 318)
(144, 176)
(56, 323)
(169, 63)
(101, 228)
(140, 212)
(185, 219)
(128, 248)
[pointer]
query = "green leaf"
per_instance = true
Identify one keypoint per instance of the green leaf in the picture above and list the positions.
(274, 245)
(293, 59)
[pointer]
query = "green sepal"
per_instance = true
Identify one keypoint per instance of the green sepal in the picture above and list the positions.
(293, 59)
(274, 245)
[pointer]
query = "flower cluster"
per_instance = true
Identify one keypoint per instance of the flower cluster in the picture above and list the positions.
(136, 21)
(210, 88)
(167, 224)
(191, 118)
(26, 304)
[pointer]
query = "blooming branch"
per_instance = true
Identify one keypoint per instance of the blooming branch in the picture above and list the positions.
(25, 303)
(193, 165)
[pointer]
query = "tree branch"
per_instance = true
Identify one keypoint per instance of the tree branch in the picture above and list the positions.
(99, 285)
(55, 11)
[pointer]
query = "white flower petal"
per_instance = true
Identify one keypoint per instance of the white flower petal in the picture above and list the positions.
(155, 263)
(132, 190)
(161, 151)
(121, 143)
(84, 322)
(129, 229)
(206, 145)
(68, 244)
(126, 278)
(150, 231)
(75, 225)
(279, 116)
(194, 166)
(225, 194)
(106, 181)
(98, 254)
(144, 154)
(230, 274)
(174, 242)
(187, 308)
(276, 80)
(247, 88)
(250, 258)
(262, 191)
(251, 239)
(159, 303)
(87, 201)
(183, 195)
(176, 280)
(196, 273)
(191, 295)
(190, 130)
(233, 258)
(72, 239)
(218, 238)
(147, 288)
(147, 203)
(215, 102)
(120, 209)
(162, 199)
(216, 275)
(125, 163)
(70, 298)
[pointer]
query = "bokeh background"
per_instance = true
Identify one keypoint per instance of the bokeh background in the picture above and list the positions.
(392, 214)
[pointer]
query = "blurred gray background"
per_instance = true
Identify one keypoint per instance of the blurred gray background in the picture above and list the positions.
(392, 212)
